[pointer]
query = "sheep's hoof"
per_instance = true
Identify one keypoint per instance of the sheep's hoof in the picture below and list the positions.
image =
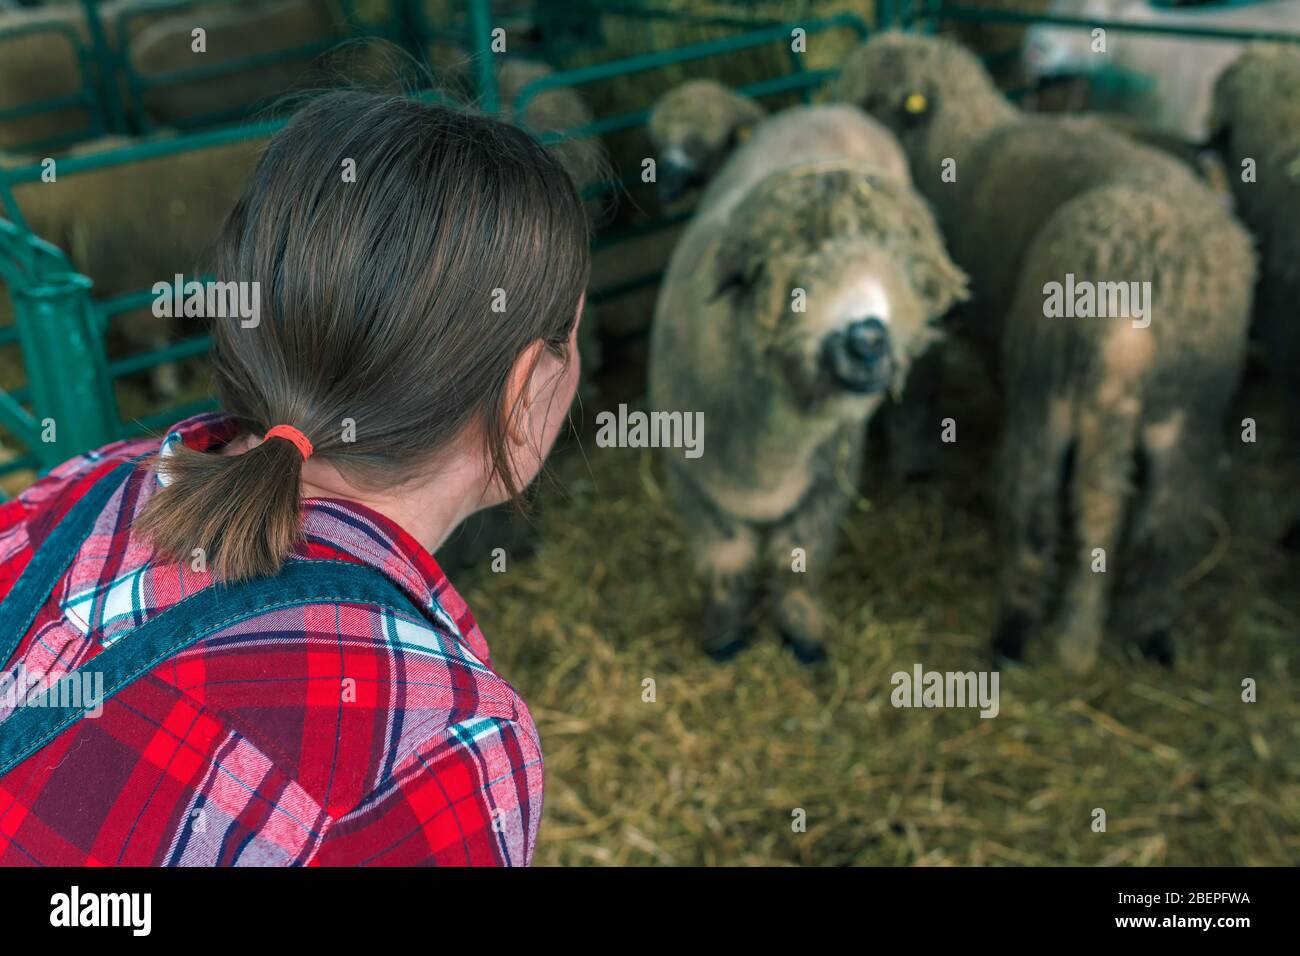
(802, 625)
(1078, 653)
(1009, 638)
(724, 645)
(1158, 646)
(805, 651)
(914, 462)
(1291, 540)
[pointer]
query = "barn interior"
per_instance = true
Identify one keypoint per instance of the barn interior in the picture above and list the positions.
(656, 754)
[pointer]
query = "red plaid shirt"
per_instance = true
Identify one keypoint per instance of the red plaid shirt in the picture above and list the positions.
(327, 735)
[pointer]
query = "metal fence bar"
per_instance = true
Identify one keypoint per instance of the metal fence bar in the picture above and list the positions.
(143, 361)
(63, 354)
(85, 98)
(706, 49)
(977, 14)
(153, 149)
(480, 28)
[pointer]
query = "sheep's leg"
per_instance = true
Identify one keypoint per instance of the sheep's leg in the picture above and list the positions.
(912, 424)
(729, 565)
(1291, 537)
(1100, 492)
(1277, 310)
(725, 553)
(1034, 453)
(1178, 488)
(1275, 304)
(798, 554)
(166, 377)
(799, 550)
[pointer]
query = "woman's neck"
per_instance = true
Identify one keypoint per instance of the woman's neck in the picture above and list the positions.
(427, 509)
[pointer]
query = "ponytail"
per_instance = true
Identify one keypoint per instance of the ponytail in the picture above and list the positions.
(243, 512)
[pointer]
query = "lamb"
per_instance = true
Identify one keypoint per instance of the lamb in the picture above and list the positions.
(693, 129)
(554, 111)
(1256, 121)
(132, 225)
(1029, 204)
(246, 29)
(37, 65)
(799, 295)
(1167, 79)
(43, 65)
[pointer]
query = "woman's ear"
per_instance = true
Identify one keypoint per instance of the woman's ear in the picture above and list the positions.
(518, 398)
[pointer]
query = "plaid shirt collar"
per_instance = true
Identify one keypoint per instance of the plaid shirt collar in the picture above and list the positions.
(343, 529)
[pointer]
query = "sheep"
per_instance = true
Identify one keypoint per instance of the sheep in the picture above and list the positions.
(245, 29)
(799, 295)
(131, 225)
(1028, 203)
(553, 111)
(1256, 123)
(45, 64)
(42, 65)
(1167, 80)
(693, 129)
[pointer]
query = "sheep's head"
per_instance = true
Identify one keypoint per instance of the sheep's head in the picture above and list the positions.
(1264, 80)
(930, 92)
(837, 277)
(693, 128)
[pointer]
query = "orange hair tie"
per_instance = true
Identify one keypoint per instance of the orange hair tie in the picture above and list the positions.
(292, 434)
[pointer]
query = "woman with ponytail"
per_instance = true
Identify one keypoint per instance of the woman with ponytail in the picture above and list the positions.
(235, 647)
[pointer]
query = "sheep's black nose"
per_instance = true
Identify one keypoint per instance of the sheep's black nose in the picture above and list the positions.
(858, 356)
(867, 339)
(675, 179)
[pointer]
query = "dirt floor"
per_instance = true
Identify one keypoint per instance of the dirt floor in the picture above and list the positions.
(716, 769)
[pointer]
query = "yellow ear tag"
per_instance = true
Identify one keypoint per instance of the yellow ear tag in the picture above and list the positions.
(916, 103)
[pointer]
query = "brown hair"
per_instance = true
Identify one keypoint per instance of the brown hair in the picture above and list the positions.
(376, 305)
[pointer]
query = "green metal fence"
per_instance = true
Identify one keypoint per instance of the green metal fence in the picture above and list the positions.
(69, 404)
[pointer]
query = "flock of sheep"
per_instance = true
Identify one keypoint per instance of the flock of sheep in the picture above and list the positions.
(809, 282)
(831, 251)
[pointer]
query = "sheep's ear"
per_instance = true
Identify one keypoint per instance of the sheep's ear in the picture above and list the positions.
(743, 130)
(749, 115)
(1219, 138)
(938, 280)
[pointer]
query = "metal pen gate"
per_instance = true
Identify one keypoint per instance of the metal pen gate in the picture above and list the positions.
(60, 327)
